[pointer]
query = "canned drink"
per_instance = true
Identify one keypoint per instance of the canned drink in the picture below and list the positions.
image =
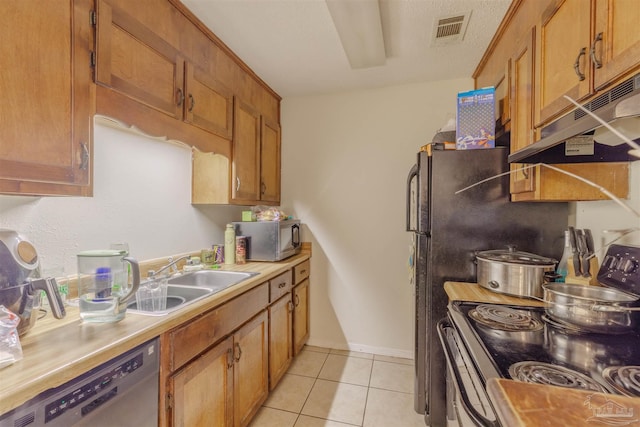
(218, 253)
(241, 249)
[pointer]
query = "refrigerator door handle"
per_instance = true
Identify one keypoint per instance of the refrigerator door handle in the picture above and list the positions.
(412, 174)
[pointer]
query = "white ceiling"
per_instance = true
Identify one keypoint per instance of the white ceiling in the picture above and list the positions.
(294, 47)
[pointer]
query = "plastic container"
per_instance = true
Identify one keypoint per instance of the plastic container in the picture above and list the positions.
(230, 244)
(152, 295)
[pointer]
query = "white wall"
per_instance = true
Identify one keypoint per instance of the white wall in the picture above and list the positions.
(345, 162)
(604, 217)
(142, 196)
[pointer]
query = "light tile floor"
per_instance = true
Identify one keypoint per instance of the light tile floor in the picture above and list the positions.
(334, 388)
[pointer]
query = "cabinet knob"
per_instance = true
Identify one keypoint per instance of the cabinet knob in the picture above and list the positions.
(238, 353)
(576, 65)
(592, 51)
(230, 358)
(179, 97)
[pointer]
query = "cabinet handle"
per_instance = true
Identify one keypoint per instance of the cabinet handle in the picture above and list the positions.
(229, 358)
(192, 102)
(297, 303)
(282, 285)
(84, 160)
(592, 51)
(290, 306)
(303, 271)
(179, 97)
(263, 188)
(237, 183)
(237, 358)
(576, 65)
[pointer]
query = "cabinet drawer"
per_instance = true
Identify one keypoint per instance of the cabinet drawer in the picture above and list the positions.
(188, 341)
(280, 285)
(301, 271)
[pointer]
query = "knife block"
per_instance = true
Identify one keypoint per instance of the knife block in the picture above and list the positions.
(580, 280)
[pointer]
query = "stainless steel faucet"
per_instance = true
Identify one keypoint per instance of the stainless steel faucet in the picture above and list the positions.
(172, 264)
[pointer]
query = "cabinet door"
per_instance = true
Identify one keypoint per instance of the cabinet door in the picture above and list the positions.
(250, 370)
(616, 43)
(245, 154)
(270, 161)
(563, 61)
(280, 332)
(300, 316)
(46, 111)
(209, 103)
(522, 102)
(202, 391)
(134, 61)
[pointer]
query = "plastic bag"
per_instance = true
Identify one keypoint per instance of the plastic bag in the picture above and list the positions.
(10, 348)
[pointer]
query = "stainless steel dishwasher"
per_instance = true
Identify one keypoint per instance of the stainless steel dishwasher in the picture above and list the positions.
(120, 392)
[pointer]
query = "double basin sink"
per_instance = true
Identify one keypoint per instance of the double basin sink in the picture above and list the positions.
(191, 287)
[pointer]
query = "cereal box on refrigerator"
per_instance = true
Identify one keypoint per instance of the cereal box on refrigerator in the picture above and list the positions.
(475, 124)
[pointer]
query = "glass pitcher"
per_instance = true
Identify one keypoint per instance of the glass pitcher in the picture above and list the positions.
(103, 287)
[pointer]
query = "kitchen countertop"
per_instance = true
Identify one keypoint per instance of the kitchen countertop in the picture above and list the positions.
(462, 291)
(55, 351)
(523, 404)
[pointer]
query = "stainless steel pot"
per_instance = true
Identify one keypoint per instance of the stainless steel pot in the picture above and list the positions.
(591, 308)
(512, 272)
(20, 281)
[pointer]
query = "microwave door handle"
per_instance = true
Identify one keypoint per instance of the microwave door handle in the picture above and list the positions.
(412, 174)
(295, 235)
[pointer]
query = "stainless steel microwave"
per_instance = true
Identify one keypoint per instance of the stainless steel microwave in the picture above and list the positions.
(270, 240)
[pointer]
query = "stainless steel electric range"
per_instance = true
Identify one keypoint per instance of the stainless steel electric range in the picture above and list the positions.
(484, 341)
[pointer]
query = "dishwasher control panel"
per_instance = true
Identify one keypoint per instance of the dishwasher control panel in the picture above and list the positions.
(85, 399)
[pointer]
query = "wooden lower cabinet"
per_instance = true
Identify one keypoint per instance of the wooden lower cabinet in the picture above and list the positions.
(227, 384)
(280, 336)
(250, 369)
(300, 316)
(202, 392)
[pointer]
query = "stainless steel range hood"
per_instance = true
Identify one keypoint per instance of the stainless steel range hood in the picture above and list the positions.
(570, 138)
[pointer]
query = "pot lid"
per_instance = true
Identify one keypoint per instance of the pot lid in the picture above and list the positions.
(512, 256)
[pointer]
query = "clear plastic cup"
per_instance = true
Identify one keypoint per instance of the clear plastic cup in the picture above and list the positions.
(152, 295)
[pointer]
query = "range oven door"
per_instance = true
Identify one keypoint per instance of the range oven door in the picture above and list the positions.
(467, 400)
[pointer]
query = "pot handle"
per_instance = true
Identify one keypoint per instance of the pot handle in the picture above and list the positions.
(595, 306)
(135, 273)
(50, 288)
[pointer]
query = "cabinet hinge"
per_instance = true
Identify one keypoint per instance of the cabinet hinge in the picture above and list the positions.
(93, 18)
(93, 59)
(169, 401)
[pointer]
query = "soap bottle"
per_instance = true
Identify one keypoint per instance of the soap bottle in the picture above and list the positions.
(230, 245)
(562, 269)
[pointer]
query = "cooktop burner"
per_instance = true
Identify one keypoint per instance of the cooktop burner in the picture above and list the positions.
(504, 318)
(550, 374)
(625, 379)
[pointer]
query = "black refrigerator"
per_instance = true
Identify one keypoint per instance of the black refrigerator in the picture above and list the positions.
(448, 230)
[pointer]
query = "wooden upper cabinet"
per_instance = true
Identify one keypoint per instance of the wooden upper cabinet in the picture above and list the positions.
(522, 105)
(46, 113)
(563, 65)
(615, 46)
(135, 61)
(270, 161)
(209, 103)
(245, 177)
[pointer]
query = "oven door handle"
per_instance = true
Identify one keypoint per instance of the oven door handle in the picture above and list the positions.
(472, 412)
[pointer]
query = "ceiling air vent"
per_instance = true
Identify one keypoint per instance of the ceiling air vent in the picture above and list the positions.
(449, 29)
